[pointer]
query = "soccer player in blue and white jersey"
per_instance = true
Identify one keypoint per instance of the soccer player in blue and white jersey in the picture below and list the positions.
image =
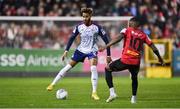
(88, 32)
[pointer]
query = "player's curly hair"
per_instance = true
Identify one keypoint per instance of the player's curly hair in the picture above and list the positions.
(87, 10)
(135, 20)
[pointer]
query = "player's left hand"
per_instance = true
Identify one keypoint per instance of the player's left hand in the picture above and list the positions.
(101, 48)
(108, 59)
(162, 62)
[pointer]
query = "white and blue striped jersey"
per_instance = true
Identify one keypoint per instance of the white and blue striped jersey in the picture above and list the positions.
(89, 36)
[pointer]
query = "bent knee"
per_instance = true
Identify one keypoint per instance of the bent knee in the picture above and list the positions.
(107, 68)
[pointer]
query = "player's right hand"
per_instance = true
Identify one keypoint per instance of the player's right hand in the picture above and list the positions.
(108, 59)
(64, 55)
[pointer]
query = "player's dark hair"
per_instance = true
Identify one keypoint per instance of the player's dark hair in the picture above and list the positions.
(135, 20)
(87, 10)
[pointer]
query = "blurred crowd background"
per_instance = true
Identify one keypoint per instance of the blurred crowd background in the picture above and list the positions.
(159, 18)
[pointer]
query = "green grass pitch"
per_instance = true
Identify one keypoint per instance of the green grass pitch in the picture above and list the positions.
(31, 93)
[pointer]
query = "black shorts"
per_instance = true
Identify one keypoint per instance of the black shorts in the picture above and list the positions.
(117, 65)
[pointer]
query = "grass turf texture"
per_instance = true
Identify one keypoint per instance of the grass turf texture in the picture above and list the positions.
(31, 93)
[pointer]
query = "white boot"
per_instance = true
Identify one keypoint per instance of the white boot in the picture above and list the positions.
(111, 98)
(133, 99)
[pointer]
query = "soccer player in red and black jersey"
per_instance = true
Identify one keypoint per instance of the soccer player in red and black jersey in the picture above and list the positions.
(134, 39)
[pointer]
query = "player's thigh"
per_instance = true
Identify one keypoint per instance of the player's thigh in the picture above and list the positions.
(117, 65)
(73, 63)
(93, 61)
(134, 69)
(78, 56)
(92, 58)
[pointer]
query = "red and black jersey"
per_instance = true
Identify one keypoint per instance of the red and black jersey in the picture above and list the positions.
(133, 45)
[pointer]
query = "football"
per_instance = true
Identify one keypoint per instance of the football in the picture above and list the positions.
(61, 94)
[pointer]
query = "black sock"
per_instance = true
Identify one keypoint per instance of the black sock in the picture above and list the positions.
(134, 85)
(109, 78)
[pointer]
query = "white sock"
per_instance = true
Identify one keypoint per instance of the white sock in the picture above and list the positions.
(94, 78)
(112, 92)
(61, 73)
(133, 96)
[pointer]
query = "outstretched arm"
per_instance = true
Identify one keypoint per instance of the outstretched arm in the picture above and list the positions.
(105, 39)
(155, 50)
(112, 42)
(73, 36)
(71, 39)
